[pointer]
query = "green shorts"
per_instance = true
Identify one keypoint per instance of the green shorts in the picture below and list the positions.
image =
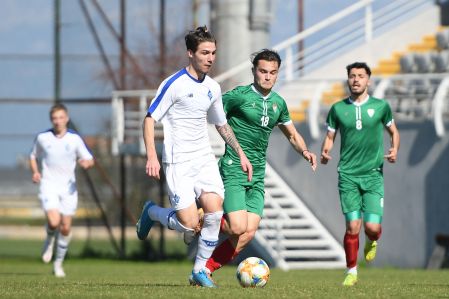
(241, 194)
(362, 194)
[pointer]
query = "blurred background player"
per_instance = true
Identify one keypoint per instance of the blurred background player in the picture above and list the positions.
(252, 112)
(361, 120)
(184, 103)
(56, 151)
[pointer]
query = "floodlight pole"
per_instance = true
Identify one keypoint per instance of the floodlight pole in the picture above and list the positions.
(57, 51)
(122, 156)
(162, 75)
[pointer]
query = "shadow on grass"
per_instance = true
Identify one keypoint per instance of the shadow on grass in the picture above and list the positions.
(146, 252)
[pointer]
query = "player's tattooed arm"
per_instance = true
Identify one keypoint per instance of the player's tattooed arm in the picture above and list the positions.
(229, 137)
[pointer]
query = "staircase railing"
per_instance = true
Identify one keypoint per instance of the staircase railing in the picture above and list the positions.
(325, 47)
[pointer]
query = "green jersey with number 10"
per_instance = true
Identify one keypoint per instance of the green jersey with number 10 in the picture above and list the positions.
(361, 127)
(252, 117)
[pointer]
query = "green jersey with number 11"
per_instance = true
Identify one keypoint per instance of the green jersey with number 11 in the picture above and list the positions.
(361, 127)
(252, 117)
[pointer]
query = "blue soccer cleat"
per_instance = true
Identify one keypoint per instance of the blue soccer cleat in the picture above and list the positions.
(201, 279)
(145, 223)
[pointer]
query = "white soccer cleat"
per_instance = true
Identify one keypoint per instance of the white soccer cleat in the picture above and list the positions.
(47, 251)
(58, 271)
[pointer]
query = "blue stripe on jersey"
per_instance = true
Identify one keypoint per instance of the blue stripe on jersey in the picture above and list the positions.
(156, 102)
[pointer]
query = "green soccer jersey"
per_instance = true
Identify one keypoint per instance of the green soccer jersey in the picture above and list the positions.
(252, 118)
(361, 127)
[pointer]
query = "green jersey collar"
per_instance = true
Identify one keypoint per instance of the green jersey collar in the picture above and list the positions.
(256, 91)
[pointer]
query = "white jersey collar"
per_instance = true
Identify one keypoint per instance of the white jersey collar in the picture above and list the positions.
(256, 91)
(359, 103)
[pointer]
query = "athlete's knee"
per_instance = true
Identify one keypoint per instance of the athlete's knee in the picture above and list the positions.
(237, 228)
(65, 229)
(188, 221)
(353, 227)
(53, 220)
(373, 230)
(53, 224)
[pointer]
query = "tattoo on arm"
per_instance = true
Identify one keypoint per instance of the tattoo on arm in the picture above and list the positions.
(228, 136)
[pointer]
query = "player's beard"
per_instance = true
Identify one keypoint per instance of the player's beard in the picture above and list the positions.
(356, 93)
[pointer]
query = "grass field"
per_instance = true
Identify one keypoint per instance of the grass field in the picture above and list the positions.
(22, 275)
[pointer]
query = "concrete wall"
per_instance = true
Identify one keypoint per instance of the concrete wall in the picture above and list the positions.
(416, 191)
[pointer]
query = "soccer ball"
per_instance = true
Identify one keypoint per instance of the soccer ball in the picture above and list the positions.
(253, 272)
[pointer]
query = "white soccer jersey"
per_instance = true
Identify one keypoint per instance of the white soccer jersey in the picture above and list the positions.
(58, 157)
(184, 105)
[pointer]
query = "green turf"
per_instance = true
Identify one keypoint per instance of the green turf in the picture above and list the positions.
(22, 275)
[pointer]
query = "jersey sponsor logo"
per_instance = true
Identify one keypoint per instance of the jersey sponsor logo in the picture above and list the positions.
(209, 94)
(370, 112)
(190, 95)
(229, 162)
(210, 243)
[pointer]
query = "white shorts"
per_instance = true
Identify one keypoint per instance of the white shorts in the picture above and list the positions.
(65, 200)
(187, 180)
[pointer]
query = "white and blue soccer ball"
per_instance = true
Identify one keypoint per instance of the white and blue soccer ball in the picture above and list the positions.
(253, 272)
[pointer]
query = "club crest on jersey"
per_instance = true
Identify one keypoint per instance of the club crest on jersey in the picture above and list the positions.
(370, 112)
(275, 107)
(176, 198)
(254, 105)
(209, 94)
(67, 147)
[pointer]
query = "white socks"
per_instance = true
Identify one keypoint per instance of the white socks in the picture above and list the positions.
(352, 270)
(62, 246)
(208, 239)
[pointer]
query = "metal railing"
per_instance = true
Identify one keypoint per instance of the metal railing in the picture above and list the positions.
(374, 22)
(128, 111)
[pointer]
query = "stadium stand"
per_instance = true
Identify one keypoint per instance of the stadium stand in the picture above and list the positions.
(409, 96)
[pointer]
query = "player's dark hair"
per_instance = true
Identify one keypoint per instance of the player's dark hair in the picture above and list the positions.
(57, 107)
(265, 54)
(198, 36)
(358, 65)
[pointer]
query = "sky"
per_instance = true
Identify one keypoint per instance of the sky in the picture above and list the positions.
(26, 61)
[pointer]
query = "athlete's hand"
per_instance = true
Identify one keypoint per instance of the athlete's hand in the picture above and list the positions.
(246, 167)
(153, 167)
(311, 158)
(392, 155)
(325, 157)
(36, 177)
(86, 163)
